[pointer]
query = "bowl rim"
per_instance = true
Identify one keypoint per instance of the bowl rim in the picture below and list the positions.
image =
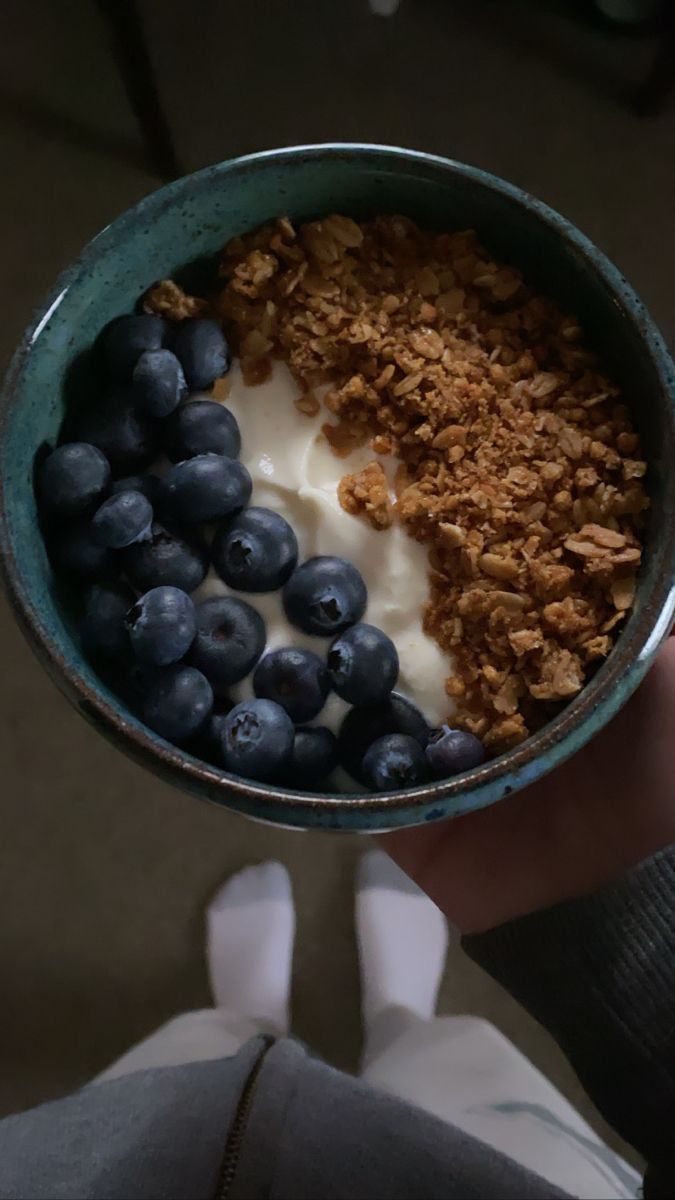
(595, 705)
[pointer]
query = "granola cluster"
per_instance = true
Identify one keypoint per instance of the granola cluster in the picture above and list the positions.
(167, 299)
(518, 464)
(366, 493)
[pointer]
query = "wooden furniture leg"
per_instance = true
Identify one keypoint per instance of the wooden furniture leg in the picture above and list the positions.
(130, 49)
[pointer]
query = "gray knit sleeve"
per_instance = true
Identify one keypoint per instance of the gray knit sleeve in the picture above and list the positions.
(599, 974)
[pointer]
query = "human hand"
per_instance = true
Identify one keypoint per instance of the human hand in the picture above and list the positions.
(584, 825)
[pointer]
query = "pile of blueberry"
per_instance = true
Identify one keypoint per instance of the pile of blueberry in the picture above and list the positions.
(138, 543)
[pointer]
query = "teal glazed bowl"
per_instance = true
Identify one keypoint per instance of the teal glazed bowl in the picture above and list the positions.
(176, 232)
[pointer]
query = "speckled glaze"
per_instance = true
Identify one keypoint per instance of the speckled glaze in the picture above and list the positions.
(176, 232)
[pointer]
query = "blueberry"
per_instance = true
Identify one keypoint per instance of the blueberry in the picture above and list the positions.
(73, 478)
(177, 703)
(124, 340)
(451, 751)
(128, 440)
(325, 595)
(158, 383)
(394, 761)
(363, 664)
(76, 549)
(166, 558)
(124, 518)
(257, 740)
(296, 679)
(201, 427)
(230, 639)
(364, 725)
(162, 626)
(256, 551)
(313, 757)
(203, 352)
(103, 628)
(205, 488)
(149, 486)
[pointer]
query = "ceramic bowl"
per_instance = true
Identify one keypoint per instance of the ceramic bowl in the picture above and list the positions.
(176, 232)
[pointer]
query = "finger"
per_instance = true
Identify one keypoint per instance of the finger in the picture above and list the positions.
(486, 867)
(410, 848)
(588, 822)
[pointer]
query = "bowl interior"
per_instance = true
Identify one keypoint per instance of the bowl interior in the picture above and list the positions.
(177, 232)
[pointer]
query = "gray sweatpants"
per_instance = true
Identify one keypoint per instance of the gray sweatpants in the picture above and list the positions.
(460, 1069)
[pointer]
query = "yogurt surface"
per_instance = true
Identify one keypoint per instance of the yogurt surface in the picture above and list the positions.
(296, 473)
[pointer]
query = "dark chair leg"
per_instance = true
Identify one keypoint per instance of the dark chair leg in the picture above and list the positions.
(652, 95)
(129, 46)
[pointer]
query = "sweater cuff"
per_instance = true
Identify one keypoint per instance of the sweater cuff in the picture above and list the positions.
(599, 974)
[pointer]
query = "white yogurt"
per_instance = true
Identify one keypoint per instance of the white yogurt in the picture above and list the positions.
(296, 473)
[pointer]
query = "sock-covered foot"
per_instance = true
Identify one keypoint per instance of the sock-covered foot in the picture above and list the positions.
(402, 939)
(250, 926)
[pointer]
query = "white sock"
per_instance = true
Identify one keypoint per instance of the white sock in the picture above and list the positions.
(250, 926)
(402, 939)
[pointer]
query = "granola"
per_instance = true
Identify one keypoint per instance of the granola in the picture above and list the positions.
(366, 493)
(518, 463)
(167, 299)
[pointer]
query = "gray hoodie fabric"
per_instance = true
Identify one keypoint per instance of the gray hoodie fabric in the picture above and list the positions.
(273, 1122)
